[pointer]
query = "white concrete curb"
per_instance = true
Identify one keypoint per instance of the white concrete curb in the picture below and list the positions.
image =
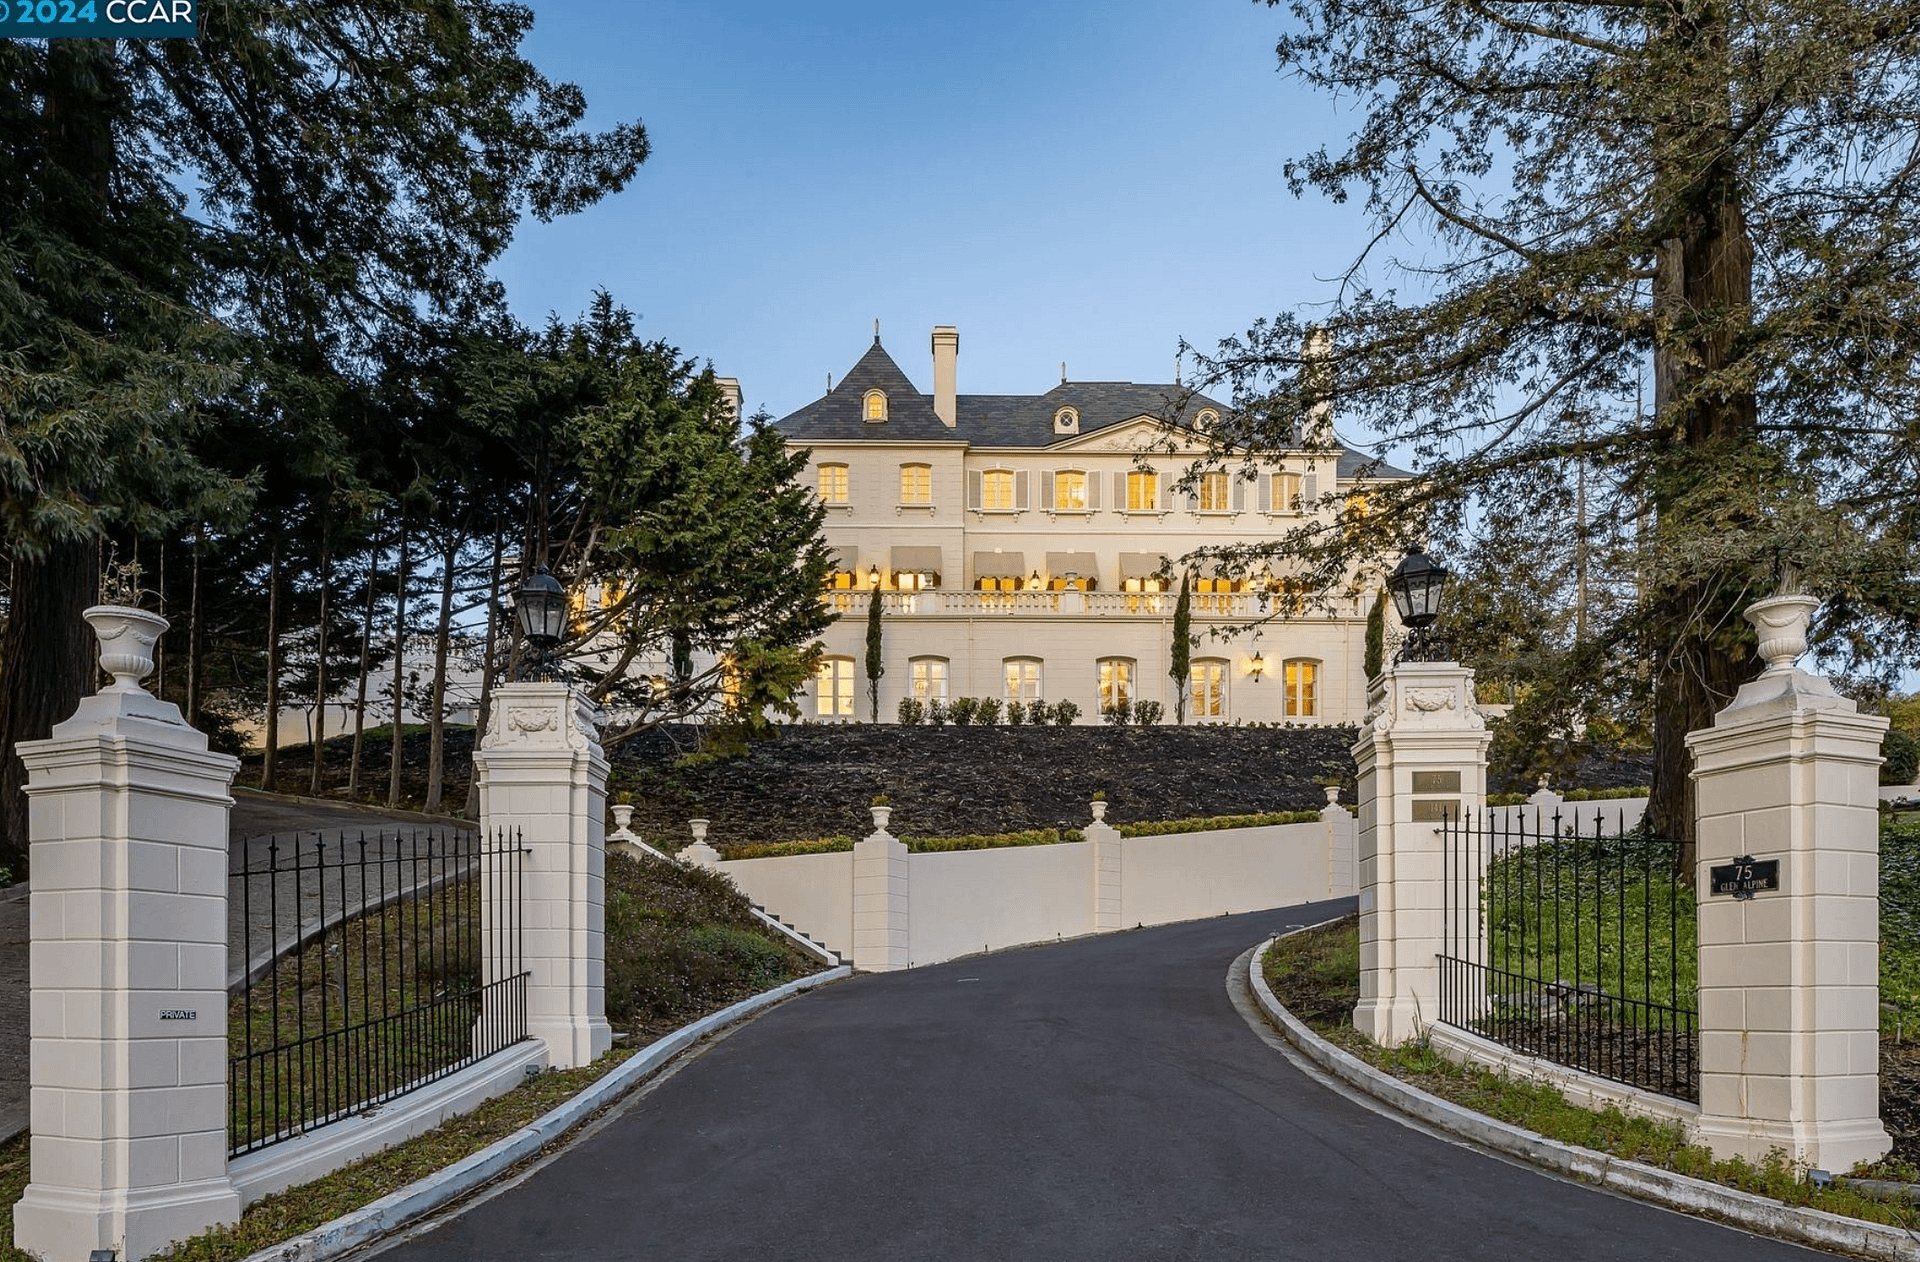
(397, 1209)
(1758, 1214)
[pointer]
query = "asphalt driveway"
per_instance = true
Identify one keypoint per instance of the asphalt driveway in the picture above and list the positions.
(1099, 1099)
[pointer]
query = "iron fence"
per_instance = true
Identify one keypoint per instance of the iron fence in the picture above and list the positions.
(371, 968)
(1574, 945)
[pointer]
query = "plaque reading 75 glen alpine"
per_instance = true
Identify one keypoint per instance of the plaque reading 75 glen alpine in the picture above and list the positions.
(1744, 877)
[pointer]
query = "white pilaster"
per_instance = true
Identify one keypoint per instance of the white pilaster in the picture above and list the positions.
(1789, 979)
(1422, 750)
(1108, 874)
(1342, 844)
(128, 822)
(542, 773)
(882, 938)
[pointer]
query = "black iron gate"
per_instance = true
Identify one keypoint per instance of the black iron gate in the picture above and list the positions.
(370, 969)
(1576, 945)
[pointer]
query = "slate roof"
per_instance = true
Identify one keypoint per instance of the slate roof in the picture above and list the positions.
(998, 420)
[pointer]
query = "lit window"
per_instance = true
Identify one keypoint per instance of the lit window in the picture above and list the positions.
(1069, 491)
(1356, 511)
(1143, 491)
(916, 484)
(1213, 492)
(929, 679)
(1116, 682)
(833, 483)
(1207, 686)
(833, 687)
(1302, 686)
(876, 406)
(996, 490)
(1023, 679)
(1286, 493)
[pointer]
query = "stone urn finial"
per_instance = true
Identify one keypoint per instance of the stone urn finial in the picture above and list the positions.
(1099, 808)
(1333, 794)
(1781, 624)
(622, 816)
(881, 814)
(127, 636)
(699, 827)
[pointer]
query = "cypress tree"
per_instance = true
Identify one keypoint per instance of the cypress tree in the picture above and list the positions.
(875, 667)
(1182, 664)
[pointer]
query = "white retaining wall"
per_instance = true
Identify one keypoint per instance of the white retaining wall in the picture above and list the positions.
(965, 901)
(1537, 814)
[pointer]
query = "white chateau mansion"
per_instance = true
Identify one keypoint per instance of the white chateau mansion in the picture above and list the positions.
(1022, 546)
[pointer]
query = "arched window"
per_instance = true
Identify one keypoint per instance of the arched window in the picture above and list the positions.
(996, 490)
(833, 687)
(1070, 491)
(1116, 682)
(876, 405)
(916, 484)
(833, 483)
(1301, 678)
(1212, 492)
(929, 679)
(1066, 421)
(1207, 685)
(1023, 678)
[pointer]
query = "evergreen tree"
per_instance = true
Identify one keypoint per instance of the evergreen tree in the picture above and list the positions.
(1182, 665)
(1376, 654)
(876, 667)
(1669, 333)
(353, 166)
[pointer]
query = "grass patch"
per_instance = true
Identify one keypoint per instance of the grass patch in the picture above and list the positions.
(1900, 925)
(1307, 973)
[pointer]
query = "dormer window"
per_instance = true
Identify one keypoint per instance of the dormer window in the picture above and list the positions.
(876, 406)
(1066, 421)
(1207, 419)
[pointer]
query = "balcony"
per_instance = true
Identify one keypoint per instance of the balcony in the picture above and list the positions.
(973, 604)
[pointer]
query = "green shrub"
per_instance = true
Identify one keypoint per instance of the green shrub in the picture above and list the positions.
(1119, 714)
(1605, 795)
(1148, 713)
(993, 841)
(1902, 754)
(1164, 827)
(937, 712)
(1016, 714)
(1039, 713)
(987, 711)
(912, 712)
(784, 849)
(1064, 713)
(1506, 799)
(962, 711)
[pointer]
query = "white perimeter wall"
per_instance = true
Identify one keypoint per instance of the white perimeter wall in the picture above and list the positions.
(965, 901)
(1613, 813)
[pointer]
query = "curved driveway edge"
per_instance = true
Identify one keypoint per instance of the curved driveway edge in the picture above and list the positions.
(405, 1206)
(1759, 1214)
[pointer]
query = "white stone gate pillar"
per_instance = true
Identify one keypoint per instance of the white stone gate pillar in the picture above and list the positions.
(1422, 756)
(882, 930)
(128, 822)
(1790, 978)
(541, 773)
(1109, 876)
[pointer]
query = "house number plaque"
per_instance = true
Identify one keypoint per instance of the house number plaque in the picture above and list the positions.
(1744, 877)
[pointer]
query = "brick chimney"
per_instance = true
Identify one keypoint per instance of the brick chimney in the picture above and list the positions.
(946, 356)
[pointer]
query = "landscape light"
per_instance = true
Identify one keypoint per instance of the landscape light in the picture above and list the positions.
(1417, 585)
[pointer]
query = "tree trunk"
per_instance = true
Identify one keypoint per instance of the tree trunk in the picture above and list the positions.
(484, 714)
(270, 755)
(196, 638)
(319, 745)
(366, 669)
(1703, 292)
(437, 714)
(399, 665)
(48, 661)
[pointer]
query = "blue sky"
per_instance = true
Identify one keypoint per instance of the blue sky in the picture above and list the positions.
(1071, 181)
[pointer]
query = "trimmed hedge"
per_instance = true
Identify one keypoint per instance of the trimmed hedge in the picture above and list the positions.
(1208, 823)
(1571, 795)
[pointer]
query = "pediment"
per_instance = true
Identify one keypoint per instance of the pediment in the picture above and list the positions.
(1142, 433)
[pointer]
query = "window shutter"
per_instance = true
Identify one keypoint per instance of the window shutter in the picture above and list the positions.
(1309, 491)
(1193, 502)
(1239, 494)
(1046, 489)
(1166, 494)
(1020, 490)
(1266, 493)
(973, 489)
(1120, 491)
(1093, 491)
